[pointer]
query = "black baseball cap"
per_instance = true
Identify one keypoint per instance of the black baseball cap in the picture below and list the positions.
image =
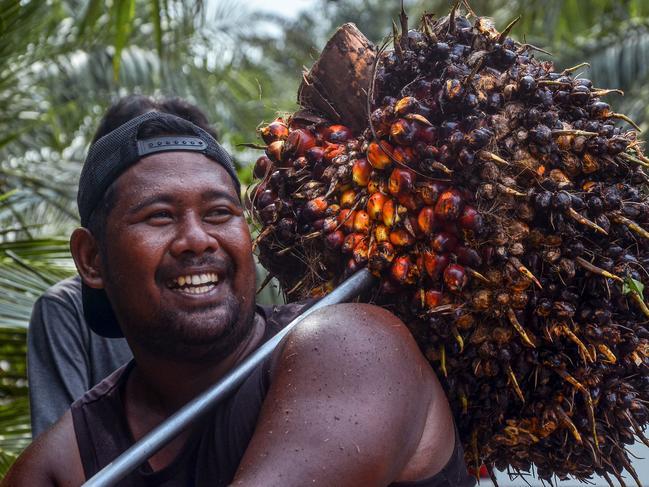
(107, 159)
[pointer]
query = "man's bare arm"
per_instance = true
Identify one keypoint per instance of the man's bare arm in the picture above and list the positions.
(51, 460)
(349, 401)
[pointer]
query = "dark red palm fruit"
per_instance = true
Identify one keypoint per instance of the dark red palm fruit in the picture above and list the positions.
(332, 151)
(285, 230)
(444, 242)
(315, 154)
(403, 132)
(388, 286)
(276, 130)
(434, 263)
(275, 150)
(381, 256)
(336, 133)
(432, 299)
(332, 210)
(330, 224)
(269, 214)
(426, 220)
(426, 134)
(318, 224)
(315, 209)
(471, 219)
(429, 191)
(265, 198)
(361, 251)
(401, 237)
(262, 166)
(455, 277)
(377, 154)
(361, 172)
(276, 179)
(298, 143)
(449, 205)
(410, 201)
(351, 241)
(375, 204)
(380, 120)
(401, 181)
(351, 267)
(346, 220)
(362, 222)
(468, 256)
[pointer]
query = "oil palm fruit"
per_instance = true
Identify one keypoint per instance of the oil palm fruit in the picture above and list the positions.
(503, 205)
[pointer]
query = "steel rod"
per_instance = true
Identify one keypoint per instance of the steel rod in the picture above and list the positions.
(181, 419)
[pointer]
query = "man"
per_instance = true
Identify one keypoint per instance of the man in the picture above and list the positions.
(165, 251)
(65, 357)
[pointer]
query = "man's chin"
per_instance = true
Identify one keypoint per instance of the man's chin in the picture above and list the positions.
(211, 334)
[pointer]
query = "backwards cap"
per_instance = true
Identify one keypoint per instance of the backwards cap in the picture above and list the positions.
(107, 159)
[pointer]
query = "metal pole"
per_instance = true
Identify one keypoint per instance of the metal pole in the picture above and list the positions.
(181, 419)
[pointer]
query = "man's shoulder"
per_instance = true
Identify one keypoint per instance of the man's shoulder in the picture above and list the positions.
(52, 459)
(66, 292)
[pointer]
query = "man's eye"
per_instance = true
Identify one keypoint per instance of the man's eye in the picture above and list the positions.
(159, 216)
(218, 214)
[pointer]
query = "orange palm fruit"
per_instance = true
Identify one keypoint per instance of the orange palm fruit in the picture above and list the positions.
(299, 142)
(330, 224)
(361, 251)
(390, 215)
(405, 105)
(401, 237)
(361, 172)
(381, 233)
(346, 220)
(449, 205)
(361, 222)
(378, 156)
(434, 263)
(315, 209)
(376, 184)
(276, 130)
(351, 241)
(375, 205)
(432, 299)
(429, 191)
(426, 220)
(403, 132)
(336, 133)
(403, 155)
(332, 151)
(347, 198)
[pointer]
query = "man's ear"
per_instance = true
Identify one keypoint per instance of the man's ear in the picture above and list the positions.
(87, 257)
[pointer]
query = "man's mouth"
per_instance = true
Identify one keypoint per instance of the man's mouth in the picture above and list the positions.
(195, 283)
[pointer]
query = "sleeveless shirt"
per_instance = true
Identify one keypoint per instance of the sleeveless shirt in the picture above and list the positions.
(216, 444)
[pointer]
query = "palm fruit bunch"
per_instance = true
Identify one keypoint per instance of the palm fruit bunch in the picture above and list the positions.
(502, 204)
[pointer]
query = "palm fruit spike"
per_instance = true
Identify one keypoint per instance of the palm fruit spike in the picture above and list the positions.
(507, 218)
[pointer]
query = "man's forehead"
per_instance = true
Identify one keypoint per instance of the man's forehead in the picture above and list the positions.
(190, 172)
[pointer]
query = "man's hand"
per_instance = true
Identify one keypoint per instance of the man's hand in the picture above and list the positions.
(352, 402)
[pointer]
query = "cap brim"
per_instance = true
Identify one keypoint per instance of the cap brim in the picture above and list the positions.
(99, 313)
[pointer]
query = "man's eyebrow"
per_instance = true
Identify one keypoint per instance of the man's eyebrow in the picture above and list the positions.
(215, 194)
(151, 200)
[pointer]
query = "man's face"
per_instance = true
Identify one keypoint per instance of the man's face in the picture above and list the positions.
(177, 258)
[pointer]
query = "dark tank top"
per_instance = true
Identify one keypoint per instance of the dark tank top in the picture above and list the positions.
(213, 451)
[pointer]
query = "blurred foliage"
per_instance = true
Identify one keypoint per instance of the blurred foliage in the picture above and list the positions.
(62, 62)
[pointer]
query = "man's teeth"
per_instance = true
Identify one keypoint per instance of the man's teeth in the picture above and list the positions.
(197, 283)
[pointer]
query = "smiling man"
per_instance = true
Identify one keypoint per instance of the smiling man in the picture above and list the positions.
(165, 251)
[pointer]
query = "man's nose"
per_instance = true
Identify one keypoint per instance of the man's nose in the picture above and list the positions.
(193, 236)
